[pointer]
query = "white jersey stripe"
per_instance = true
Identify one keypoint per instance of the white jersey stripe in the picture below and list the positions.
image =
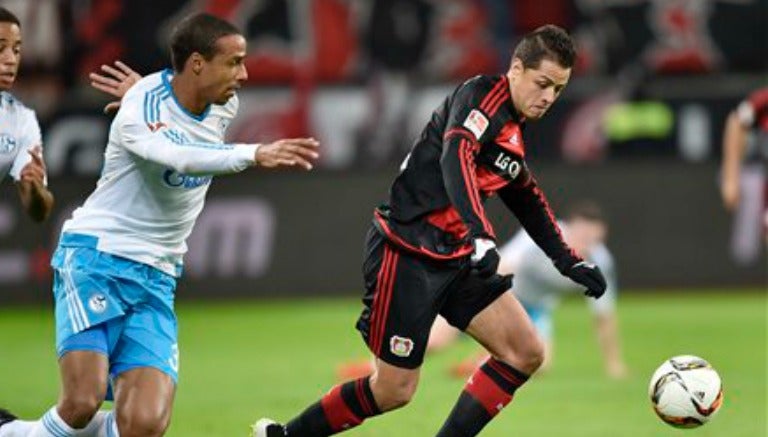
(78, 304)
(69, 289)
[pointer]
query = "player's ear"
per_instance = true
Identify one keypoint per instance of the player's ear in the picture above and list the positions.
(196, 61)
(516, 67)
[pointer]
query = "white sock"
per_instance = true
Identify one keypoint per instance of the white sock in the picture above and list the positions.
(52, 425)
(17, 428)
(107, 425)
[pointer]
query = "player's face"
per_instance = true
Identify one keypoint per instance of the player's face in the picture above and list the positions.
(534, 90)
(223, 75)
(10, 54)
(583, 234)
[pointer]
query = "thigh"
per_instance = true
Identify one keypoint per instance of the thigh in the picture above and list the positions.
(505, 330)
(401, 302)
(83, 374)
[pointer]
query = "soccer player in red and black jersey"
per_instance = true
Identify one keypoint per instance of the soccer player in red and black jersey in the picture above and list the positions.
(432, 250)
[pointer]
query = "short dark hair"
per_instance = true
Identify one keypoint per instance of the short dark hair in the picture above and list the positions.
(585, 210)
(546, 42)
(7, 16)
(198, 33)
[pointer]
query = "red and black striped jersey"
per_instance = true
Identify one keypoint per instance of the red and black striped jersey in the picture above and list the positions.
(471, 149)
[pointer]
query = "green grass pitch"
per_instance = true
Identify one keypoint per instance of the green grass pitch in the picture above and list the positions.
(244, 360)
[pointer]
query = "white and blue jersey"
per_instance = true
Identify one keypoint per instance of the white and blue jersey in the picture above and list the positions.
(119, 255)
(158, 166)
(539, 286)
(19, 134)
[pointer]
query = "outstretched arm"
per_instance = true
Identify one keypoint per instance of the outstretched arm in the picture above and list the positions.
(115, 81)
(161, 146)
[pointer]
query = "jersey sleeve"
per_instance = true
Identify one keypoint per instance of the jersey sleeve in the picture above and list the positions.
(527, 201)
(29, 138)
(168, 147)
(470, 122)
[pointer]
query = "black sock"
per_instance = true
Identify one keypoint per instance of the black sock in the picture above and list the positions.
(486, 393)
(342, 408)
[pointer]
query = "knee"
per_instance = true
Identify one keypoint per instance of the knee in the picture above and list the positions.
(142, 422)
(528, 358)
(535, 355)
(77, 409)
(391, 394)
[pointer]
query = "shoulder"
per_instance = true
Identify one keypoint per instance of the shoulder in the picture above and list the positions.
(142, 98)
(149, 84)
(10, 104)
(482, 89)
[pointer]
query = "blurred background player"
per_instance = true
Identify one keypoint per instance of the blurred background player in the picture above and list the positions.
(431, 249)
(539, 287)
(120, 254)
(21, 145)
(744, 184)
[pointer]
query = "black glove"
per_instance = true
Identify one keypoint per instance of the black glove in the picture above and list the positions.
(586, 274)
(485, 257)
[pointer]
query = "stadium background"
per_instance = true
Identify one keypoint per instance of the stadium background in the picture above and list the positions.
(638, 130)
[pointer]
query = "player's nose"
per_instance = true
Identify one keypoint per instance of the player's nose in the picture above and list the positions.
(242, 74)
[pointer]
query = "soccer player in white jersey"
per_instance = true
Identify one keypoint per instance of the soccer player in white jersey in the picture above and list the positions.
(120, 254)
(21, 145)
(539, 287)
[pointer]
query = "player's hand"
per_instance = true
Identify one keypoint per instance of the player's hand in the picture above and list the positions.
(288, 153)
(485, 257)
(115, 81)
(34, 171)
(586, 274)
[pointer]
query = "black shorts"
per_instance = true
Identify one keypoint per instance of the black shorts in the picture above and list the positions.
(404, 294)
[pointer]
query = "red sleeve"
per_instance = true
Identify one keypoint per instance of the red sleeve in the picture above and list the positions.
(471, 121)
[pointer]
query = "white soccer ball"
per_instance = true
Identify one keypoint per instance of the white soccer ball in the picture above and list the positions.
(686, 391)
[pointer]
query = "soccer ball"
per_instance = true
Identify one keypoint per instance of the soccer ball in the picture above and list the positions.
(686, 391)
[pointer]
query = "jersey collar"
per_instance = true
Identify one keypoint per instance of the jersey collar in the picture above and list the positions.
(166, 76)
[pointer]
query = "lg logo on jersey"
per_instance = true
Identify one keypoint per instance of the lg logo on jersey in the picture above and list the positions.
(508, 164)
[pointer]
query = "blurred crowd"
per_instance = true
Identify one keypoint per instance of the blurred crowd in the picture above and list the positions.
(363, 75)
